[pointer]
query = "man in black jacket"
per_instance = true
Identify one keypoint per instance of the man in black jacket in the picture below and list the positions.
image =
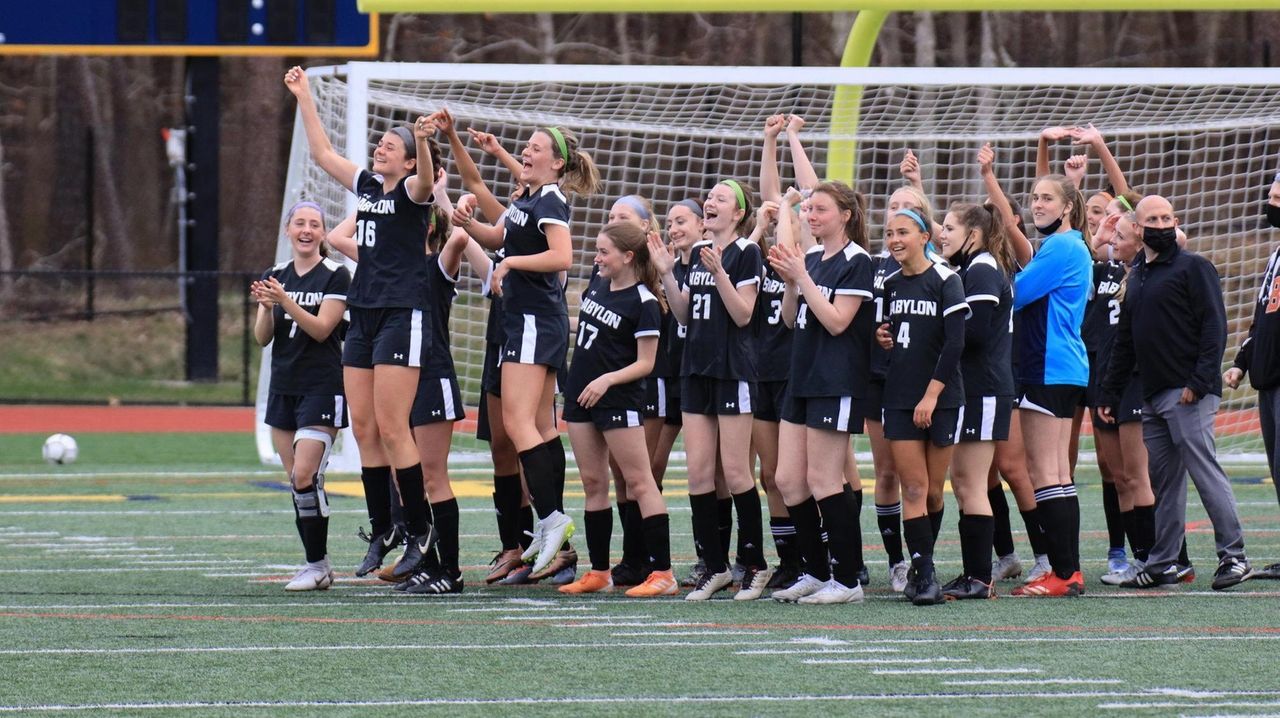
(1173, 328)
(1259, 356)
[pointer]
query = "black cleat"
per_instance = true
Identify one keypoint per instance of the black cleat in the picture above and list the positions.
(909, 591)
(625, 574)
(783, 576)
(379, 547)
(927, 591)
(416, 549)
(966, 587)
(864, 576)
(1231, 571)
(695, 574)
(1271, 571)
(437, 584)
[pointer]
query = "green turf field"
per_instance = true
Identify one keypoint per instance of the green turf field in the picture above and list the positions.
(150, 583)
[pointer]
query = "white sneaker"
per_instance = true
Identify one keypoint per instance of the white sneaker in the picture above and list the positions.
(898, 576)
(834, 592)
(753, 584)
(556, 529)
(806, 585)
(313, 577)
(535, 544)
(1115, 578)
(1040, 570)
(709, 585)
(1006, 567)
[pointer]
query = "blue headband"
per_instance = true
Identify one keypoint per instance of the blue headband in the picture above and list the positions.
(924, 226)
(304, 204)
(693, 206)
(634, 203)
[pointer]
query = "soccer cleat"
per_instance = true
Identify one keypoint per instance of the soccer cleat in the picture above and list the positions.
(695, 574)
(386, 572)
(1006, 567)
(753, 584)
(437, 584)
(1041, 569)
(1116, 561)
(804, 586)
(739, 570)
(316, 576)
(591, 582)
(517, 577)
(1077, 579)
(416, 549)
(1131, 570)
(783, 576)
(556, 529)
(1270, 571)
(1049, 587)
(864, 576)
(833, 592)
(1184, 574)
(625, 574)
(379, 547)
(535, 543)
(503, 564)
(659, 583)
(1146, 578)
(563, 559)
(898, 576)
(564, 576)
(709, 585)
(1231, 572)
(927, 591)
(967, 587)
(909, 590)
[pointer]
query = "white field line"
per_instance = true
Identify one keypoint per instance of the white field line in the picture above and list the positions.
(569, 700)
(1140, 705)
(1068, 639)
(884, 661)
(721, 632)
(512, 609)
(563, 618)
(633, 624)
(161, 650)
(1035, 682)
(813, 651)
(939, 671)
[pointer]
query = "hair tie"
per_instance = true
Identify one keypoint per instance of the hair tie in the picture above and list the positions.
(737, 190)
(693, 206)
(907, 212)
(634, 203)
(558, 136)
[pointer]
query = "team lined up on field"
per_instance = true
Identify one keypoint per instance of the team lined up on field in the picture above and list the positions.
(767, 333)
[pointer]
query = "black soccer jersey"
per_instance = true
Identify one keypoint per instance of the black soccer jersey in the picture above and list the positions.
(826, 365)
(524, 234)
(1102, 313)
(493, 331)
(917, 306)
(609, 323)
(884, 265)
(437, 359)
(772, 337)
(675, 332)
(987, 361)
(391, 232)
(301, 365)
(716, 346)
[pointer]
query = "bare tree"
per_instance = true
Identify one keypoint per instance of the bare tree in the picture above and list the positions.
(926, 39)
(118, 243)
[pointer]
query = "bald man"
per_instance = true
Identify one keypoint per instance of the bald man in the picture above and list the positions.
(1173, 329)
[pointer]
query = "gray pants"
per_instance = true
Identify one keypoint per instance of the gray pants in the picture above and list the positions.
(1179, 439)
(1268, 412)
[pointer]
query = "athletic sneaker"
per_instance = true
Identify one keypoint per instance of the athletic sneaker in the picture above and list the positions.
(379, 547)
(504, 563)
(416, 549)
(804, 586)
(1231, 571)
(386, 573)
(625, 574)
(1039, 571)
(1050, 586)
(517, 577)
(834, 592)
(898, 576)
(659, 583)
(1117, 562)
(927, 591)
(753, 583)
(709, 585)
(695, 574)
(1077, 579)
(316, 576)
(1006, 567)
(1184, 574)
(564, 559)
(864, 576)
(591, 582)
(437, 584)
(783, 576)
(1147, 578)
(1270, 571)
(1131, 570)
(564, 576)
(965, 587)
(556, 529)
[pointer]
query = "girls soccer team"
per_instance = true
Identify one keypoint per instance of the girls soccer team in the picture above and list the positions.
(773, 342)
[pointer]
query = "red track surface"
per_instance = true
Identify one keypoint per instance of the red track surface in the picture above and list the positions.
(44, 419)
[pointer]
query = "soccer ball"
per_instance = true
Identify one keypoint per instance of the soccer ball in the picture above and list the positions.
(60, 449)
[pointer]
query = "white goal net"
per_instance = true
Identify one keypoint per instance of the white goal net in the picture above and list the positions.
(1207, 139)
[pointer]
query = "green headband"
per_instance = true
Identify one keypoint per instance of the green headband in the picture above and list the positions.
(559, 138)
(737, 190)
(1125, 202)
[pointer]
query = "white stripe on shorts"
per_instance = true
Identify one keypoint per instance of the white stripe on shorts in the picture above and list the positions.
(744, 398)
(415, 339)
(337, 410)
(633, 419)
(846, 407)
(988, 418)
(446, 391)
(529, 339)
(955, 437)
(662, 398)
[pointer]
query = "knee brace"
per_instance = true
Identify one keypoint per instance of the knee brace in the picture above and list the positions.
(314, 503)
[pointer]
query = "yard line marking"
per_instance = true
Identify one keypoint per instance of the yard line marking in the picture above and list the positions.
(504, 609)
(883, 661)
(1071, 639)
(939, 671)
(562, 618)
(632, 634)
(1189, 704)
(1035, 682)
(633, 624)
(812, 651)
(369, 647)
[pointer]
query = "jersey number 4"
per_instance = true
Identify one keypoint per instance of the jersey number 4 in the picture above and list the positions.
(366, 233)
(904, 335)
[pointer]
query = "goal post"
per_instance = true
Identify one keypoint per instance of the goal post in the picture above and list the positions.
(1209, 139)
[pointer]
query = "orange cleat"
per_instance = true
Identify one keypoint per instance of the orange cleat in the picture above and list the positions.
(590, 582)
(1051, 586)
(659, 583)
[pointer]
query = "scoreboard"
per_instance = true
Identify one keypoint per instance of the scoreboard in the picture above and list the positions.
(187, 27)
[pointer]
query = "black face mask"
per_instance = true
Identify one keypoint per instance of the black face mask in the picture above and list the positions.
(1051, 228)
(1159, 239)
(964, 255)
(1273, 214)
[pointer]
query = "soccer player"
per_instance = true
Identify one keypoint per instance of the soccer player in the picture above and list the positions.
(718, 370)
(384, 343)
(300, 306)
(618, 326)
(924, 331)
(974, 242)
(826, 301)
(1259, 356)
(538, 249)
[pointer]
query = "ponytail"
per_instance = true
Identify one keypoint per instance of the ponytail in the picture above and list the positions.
(579, 175)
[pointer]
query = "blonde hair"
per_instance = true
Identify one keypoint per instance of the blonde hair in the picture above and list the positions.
(579, 174)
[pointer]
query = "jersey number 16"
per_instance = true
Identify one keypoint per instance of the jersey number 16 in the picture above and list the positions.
(366, 233)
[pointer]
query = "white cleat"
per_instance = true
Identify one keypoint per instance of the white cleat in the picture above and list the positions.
(709, 585)
(313, 577)
(556, 529)
(806, 585)
(1006, 567)
(834, 592)
(753, 584)
(898, 576)
(1040, 570)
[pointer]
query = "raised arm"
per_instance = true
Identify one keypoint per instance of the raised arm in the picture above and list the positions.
(494, 148)
(910, 170)
(343, 238)
(806, 176)
(1091, 137)
(665, 261)
(421, 186)
(322, 152)
(489, 236)
(471, 180)
(1022, 250)
(1047, 135)
(770, 185)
